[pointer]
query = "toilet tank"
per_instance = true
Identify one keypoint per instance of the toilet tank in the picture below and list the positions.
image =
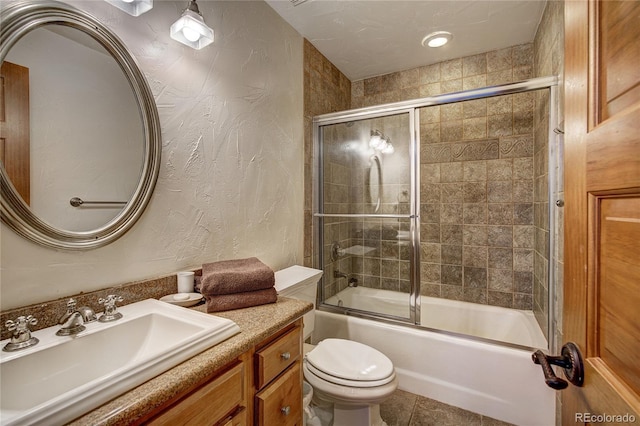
(300, 282)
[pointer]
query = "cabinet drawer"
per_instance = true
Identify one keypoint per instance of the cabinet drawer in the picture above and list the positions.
(279, 355)
(208, 404)
(280, 403)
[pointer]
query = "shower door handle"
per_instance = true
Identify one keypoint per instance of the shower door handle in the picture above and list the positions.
(570, 360)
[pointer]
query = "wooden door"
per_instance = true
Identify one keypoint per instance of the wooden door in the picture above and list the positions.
(602, 208)
(14, 126)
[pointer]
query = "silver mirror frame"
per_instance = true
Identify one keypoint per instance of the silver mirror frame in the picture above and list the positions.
(17, 19)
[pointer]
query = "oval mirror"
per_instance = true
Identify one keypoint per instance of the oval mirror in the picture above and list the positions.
(80, 138)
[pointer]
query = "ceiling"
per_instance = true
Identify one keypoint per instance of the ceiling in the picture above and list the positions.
(365, 38)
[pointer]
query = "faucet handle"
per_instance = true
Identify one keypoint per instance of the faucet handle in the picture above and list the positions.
(71, 305)
(21, 323)
(21, 337)
(110, 309)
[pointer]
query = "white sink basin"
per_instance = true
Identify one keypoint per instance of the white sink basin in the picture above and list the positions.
(62, 378)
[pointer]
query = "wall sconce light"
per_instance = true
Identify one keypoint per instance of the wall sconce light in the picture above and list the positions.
(388, 149)
(132, 7)
(380, 142)
(376, 139)
(190, 29)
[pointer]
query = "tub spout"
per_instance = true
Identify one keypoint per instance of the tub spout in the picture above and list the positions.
(338, 274)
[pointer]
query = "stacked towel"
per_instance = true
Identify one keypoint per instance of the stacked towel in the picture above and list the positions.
(235, 284)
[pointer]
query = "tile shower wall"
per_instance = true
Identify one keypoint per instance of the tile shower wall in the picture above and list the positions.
(336, 189)
(384, 261)
(548, 60)
(548, 47)
(477, 187)
(326, 90)
(376, 250)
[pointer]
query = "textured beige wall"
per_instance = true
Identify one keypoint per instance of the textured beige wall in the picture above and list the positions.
(231, 180)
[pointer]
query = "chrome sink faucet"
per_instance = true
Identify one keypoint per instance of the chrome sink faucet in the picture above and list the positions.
(21, 337)
(73, 320)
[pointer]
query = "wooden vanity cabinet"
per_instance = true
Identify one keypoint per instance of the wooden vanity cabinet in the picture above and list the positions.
(278, 378)
(262, 387)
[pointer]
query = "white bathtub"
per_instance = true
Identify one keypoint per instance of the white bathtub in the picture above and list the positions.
(491, 322)
(490, 379)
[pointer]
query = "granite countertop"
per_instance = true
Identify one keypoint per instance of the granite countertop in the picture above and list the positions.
(256, 324)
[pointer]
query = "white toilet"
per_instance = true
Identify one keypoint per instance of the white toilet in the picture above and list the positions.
(348, 376)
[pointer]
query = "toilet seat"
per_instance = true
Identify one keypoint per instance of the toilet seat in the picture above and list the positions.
(350, 383)
(350, 363)
(348, 395)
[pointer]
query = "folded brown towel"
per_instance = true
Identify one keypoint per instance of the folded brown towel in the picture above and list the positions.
(225, 302)
(235, 276)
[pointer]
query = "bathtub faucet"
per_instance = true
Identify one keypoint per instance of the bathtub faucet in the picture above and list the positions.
(338, 274)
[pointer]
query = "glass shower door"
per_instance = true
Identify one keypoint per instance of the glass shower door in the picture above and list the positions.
(366, 214)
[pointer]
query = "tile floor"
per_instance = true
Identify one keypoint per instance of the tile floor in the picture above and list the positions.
(406, 409)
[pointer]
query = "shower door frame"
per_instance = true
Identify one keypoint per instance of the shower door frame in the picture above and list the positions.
(413, 216)
(412, 107)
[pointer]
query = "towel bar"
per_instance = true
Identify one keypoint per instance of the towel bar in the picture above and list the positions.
(77, 202)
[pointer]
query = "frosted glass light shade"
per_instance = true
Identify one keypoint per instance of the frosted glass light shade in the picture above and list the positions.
(132, 7)
(388, 149)
(375, 141)
(191, 30)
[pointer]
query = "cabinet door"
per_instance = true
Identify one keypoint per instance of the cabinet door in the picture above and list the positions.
(238, 419)
(280, 403)
(209, 404)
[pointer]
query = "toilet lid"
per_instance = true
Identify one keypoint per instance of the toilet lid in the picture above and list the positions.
(344, 382)
(350, 360)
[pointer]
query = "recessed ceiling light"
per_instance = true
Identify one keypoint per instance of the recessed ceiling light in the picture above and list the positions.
(437, 39)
